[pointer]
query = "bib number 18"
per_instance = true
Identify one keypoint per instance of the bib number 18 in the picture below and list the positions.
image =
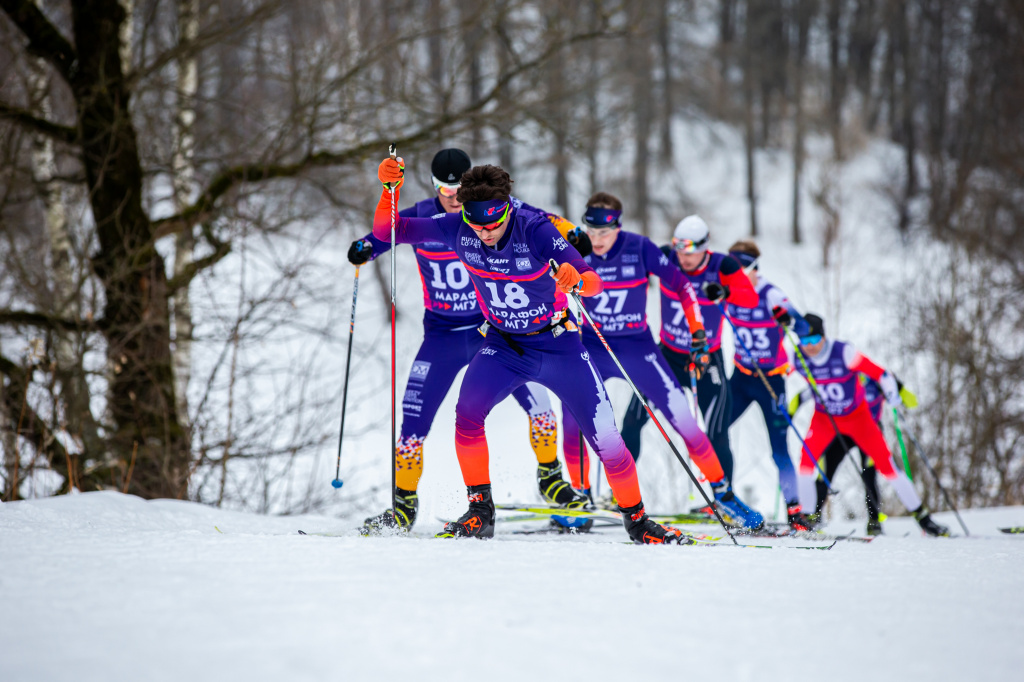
(515, 296)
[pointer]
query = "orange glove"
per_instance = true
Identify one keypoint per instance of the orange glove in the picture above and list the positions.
(567, 278)
(391, 172)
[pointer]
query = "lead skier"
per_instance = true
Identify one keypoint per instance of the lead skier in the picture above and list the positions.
(506, 251)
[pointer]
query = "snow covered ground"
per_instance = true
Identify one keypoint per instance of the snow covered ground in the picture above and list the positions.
(109, 587)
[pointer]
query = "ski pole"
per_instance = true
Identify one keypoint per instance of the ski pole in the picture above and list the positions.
(775, 398)
(337, 482)
(393, 152)
(927, 463)
(579, 302)
(583, 446)
(698, 416)
(817, 397)
(903, 447)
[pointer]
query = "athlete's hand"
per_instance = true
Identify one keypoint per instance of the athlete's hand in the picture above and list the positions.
(391, 172)
(567, 278)
(578, 238)
(908, 399)
(360, 251)
(715, 292)
(699, 352)
(782, 316)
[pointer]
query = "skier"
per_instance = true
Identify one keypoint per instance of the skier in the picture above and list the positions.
(834, 366)
(450, 340)
(835, 451)
(715, 277)
(624, 260)
(761, 337)
(528, 336)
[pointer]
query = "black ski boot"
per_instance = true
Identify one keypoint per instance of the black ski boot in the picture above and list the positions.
(556, 489)
(478, 521)
(928, 525)
(643, 531)
(397, 520)
(798, 521)
(874, 526)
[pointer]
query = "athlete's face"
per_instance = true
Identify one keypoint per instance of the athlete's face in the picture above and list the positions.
(449, 202)
(491, 236)
(691, 261)
(812, 350)
(602, 239)
(752, 275)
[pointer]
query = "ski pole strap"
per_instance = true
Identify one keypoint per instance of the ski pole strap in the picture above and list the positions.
(556, 328)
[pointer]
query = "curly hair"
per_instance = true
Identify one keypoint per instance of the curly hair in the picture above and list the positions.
(604, 200)
(485, 183)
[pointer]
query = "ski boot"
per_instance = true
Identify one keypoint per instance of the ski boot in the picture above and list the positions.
(643, 531)
(874, 526)
(397, 520)
(478, 521)
(733, 509)
(928, 525)
(573, 524)
(798, 521)
(556, 489)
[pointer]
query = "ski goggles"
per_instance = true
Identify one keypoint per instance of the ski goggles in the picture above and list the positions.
(485, 215)
(811, 339)
(596, 219)
(690, 245)
(446, 189)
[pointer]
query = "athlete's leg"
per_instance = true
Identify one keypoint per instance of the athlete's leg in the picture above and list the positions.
(775, 422)
(571, 451)
(865, 432)
(492, 375)
(869, 474)
(534, 399)
(632, 426)
(440, 357)
(833, 457)
(743, 393)
(716, 405)
(819, 435)
(568, 372)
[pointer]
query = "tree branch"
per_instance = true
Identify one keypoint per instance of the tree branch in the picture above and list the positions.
(26, 317)
(44, 40)
(202, 209)
(35, 124)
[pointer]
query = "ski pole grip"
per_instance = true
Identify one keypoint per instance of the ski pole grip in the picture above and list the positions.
(393, 150)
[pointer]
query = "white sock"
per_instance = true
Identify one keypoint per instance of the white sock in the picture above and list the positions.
(807, 492)
(906, 492)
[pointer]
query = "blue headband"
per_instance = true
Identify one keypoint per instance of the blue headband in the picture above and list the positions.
(484, 212)
(745, 259)
(602, 217)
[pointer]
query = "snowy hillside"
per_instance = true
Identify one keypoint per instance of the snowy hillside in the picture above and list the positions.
(109, 587)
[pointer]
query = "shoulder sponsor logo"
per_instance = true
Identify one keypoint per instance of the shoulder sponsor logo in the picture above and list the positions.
(503, 271)
(474, 258)
(519, 247)
(523, 263)
(517, 202)
(560, 243)
(606, 270)
(758, 314)
(629, 271)
(469, 241)
(838, 371)
(488, 351)
(663, 260)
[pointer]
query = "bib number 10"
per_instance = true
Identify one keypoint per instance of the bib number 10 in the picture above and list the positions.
(455, 276)
(515, 296)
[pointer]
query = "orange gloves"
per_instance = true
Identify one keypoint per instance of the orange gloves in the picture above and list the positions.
(567, 278)
(391, 172)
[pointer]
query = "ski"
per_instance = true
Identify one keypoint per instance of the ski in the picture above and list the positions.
(1015, 530)
(548, 511)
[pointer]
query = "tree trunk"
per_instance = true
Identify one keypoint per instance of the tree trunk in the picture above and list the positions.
(184, 191)
(804, 14)
(665, 154)
(748, 126)
(136, 320)
(640, 68)
(836, 79)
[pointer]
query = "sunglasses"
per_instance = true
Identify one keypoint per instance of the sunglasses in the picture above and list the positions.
(445, 190)
(810, 340)
(689, 245)
(488, 226)
(601, 231)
